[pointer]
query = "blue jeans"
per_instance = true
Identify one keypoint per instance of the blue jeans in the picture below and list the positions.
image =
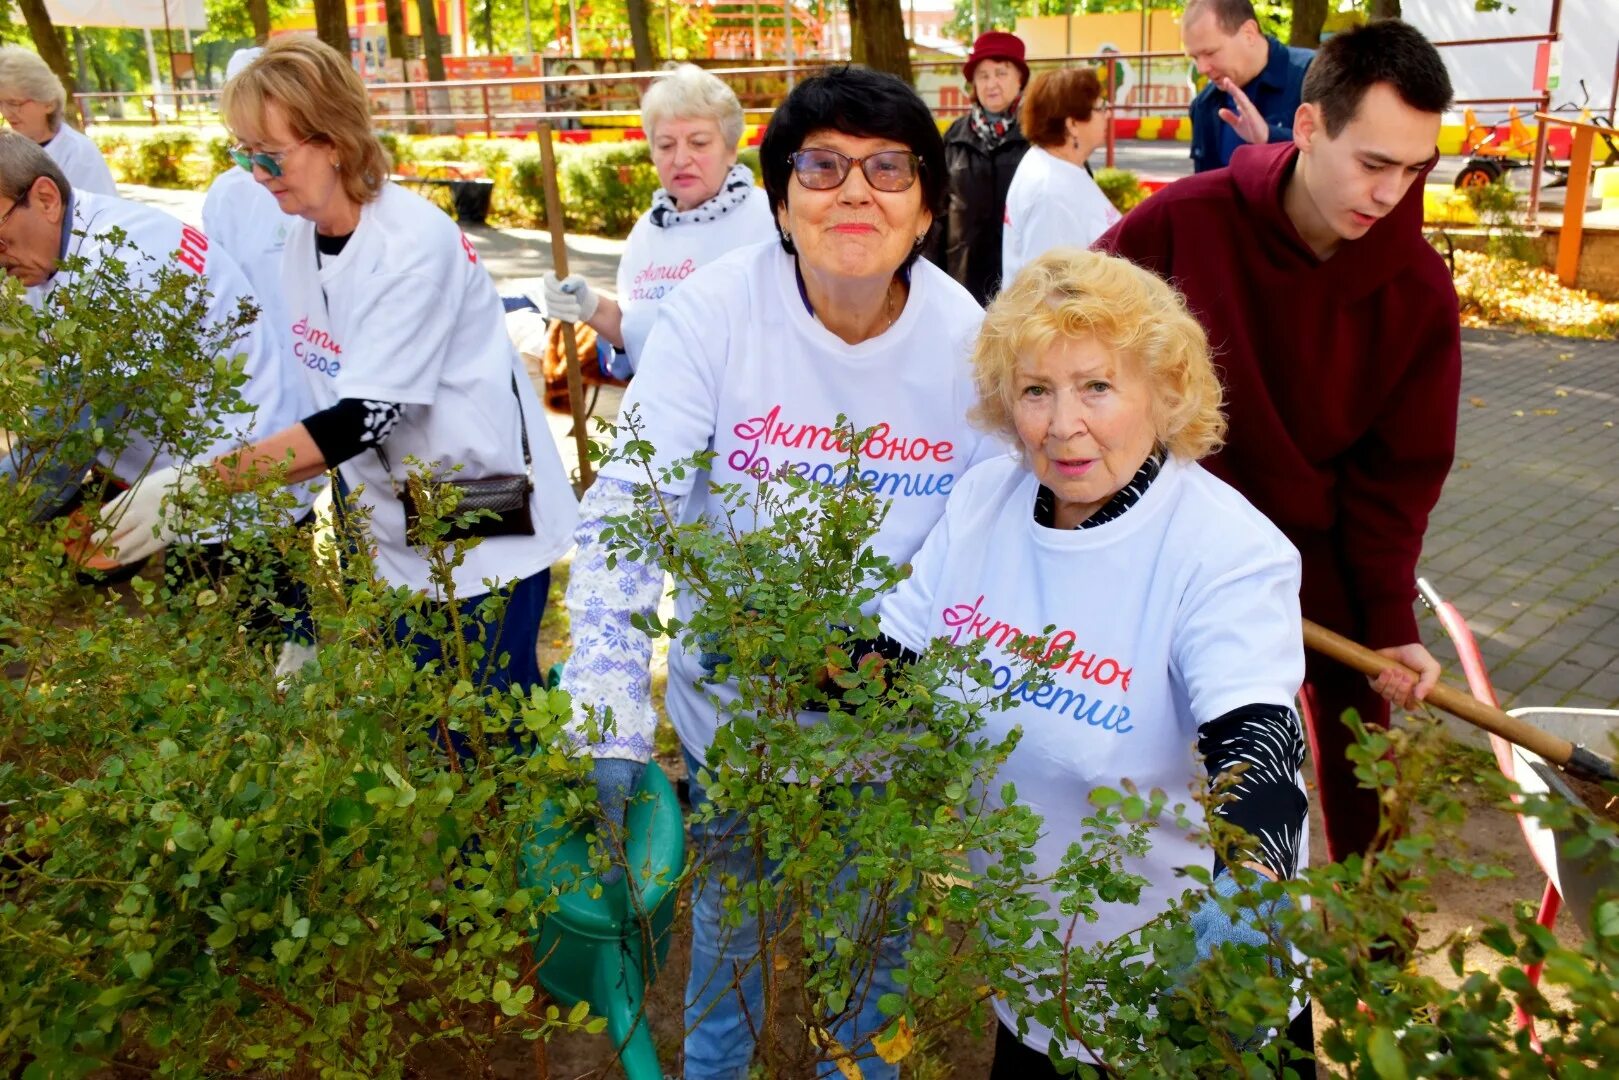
(725, 960)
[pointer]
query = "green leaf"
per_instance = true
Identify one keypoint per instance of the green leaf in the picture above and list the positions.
(1384, 1051)
(300, 928)
(140, 964)
(223, 935)
(187, 834)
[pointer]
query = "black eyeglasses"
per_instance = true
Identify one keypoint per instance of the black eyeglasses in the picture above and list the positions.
(887, 170)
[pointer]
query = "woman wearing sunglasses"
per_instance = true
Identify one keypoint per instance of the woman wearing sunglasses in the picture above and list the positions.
(835, 317)
(401, 337)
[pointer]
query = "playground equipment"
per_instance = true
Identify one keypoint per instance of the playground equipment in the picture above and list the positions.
(1492, 154)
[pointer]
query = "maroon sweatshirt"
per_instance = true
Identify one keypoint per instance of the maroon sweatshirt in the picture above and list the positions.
(1342, 377)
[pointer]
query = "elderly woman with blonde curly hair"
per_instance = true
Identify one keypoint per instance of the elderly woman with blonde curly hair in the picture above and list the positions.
(1174, 603)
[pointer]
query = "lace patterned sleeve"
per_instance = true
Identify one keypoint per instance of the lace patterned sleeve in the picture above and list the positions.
(608, 670)
(1268, 803)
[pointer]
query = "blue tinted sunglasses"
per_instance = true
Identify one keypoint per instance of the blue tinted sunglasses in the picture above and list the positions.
(270, 163)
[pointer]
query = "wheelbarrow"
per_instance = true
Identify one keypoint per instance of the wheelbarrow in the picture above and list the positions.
(605, 943)
(1560, 736)
(1578, 882)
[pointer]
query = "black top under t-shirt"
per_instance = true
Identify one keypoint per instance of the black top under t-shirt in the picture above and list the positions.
(330, 245)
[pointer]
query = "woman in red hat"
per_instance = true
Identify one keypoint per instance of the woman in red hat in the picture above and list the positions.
(982, 151)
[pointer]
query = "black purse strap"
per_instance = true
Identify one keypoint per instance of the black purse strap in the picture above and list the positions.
(522, 427)
(522, 430)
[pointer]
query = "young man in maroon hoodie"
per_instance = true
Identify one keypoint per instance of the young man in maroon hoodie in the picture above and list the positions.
(1335, 328)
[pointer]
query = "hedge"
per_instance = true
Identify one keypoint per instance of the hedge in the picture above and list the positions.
(605, 187)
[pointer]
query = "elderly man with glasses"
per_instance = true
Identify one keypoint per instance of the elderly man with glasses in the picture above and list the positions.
(44, 221)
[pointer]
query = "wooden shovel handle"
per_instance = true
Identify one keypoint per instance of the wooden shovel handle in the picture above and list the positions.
(1453, 701)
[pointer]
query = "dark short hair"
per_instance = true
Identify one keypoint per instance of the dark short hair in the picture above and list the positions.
(1052, 98)
(22, 162)
(1229, 15)
(1383, 51)
(859, 102)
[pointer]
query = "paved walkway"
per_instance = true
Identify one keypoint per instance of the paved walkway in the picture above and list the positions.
(1525, 541)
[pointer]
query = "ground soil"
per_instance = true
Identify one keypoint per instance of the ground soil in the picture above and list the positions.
(1595, 796)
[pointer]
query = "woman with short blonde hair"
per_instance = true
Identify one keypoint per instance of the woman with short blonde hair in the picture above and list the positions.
(1067, 295)
(401, 337)
(1170, 606)
(707, 206)
(33, 103)
(323, 104)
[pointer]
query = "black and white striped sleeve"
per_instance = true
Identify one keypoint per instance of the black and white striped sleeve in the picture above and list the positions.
(1267, 802)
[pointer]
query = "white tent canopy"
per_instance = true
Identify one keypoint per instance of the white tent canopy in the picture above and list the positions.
(129, 14)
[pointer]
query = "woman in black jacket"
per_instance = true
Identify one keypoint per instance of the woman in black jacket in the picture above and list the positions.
(982, 151)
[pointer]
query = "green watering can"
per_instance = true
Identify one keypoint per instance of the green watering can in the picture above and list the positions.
(605, 949)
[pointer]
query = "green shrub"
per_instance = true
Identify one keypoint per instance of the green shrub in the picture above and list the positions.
(607, 186)
(749, 156)
(161, 157)
(219, 159)
(1121, 187)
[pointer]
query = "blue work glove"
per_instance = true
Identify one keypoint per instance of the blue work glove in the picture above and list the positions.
(616, 780)
(1213, 926)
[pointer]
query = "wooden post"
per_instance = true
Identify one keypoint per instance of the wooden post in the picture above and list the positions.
(559, 262)
(1579, 178)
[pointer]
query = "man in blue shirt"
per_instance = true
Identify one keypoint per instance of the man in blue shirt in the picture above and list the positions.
(1254, 80)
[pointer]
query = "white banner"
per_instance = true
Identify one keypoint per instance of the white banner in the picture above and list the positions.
(128, 14)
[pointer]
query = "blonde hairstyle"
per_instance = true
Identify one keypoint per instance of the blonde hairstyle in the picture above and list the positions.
(690, 93)
(1070, 294)
(323, 101)
(23, 70)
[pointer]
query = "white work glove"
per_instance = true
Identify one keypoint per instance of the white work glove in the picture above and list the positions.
(139, 522)
(571, 299)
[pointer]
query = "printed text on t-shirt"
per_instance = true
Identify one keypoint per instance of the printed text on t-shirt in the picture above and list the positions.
(654, 280)
(315, 348)
(878, 445)
(1056, 654)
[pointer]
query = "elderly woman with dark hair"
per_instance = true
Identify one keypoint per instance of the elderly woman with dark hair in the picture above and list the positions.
(838, 317)
(1182, 629)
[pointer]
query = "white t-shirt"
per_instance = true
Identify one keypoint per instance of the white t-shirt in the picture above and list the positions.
(1181, 609)
(1051, 203)
(408, 314)
(277, 392)
(80, 161)
(736, 363)
(242, 217)
(657, 259)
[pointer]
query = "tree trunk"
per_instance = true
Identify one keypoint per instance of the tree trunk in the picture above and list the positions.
(438, 100)
(53, 52)
(640, 36)
(1385, 9)
(332, 24)
(395, 10)
(432, 44)
(1308, 18)
(258, 13)
(877, 36)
